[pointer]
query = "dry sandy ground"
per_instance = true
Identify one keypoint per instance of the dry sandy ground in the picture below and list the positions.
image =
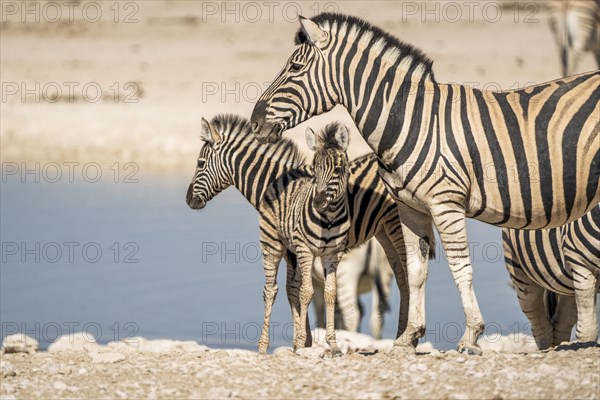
(170, 369)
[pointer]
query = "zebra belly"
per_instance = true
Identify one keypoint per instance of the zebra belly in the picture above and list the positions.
(543, 263)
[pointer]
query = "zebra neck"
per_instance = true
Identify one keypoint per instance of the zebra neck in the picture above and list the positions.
(256, 166)
(396, 115)
(336, 214)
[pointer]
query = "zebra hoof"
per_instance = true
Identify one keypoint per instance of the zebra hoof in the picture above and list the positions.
(471, 350)
(336, 353)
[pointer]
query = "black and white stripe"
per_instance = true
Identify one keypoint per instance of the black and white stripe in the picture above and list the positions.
(563, 260)
(524, 159)
(230, 156)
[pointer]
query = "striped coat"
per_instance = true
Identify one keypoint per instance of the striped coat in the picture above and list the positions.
(563, 260)
(231, 156)
(523, 159)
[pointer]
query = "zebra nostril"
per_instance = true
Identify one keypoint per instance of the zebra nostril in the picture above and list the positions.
(254, 126)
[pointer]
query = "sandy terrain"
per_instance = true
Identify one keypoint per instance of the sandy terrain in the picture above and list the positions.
(170, 369)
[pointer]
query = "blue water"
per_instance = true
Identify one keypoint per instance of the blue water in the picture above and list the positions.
(131, 259)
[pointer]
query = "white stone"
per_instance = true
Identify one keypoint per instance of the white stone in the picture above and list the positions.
(311, 352)
(7, 369)
(240, 353)
(19, 343)
(512, 343)
(283, 352)
(59, 385)
(106, 357)
(160, 346)
(77, 342)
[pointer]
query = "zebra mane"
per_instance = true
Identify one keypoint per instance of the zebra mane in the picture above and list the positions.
(234, 127)
(389, 43)
(328, 135)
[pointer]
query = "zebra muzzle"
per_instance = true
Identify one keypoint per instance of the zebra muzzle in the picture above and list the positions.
(322, 201)
(194, 202)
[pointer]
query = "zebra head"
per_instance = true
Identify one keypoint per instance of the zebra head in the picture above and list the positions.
(302, 89)
(211, 176)
(330, 165)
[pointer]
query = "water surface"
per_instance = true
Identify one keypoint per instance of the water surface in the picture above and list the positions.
(179, 273)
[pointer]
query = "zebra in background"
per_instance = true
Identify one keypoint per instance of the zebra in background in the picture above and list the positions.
(523, 159)
(230, 156)
(563, 260)
(308, 213)
(576, 28)
(363, 270)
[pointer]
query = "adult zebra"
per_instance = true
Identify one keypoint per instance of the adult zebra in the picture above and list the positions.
(576, 28)
(563, 260)
(446, 150)
(230, 156)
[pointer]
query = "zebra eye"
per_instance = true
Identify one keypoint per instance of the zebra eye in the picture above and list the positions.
(201, 164)
(339, 170)
(295, 67)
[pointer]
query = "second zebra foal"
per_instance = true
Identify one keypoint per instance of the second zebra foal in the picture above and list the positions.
(308, 214)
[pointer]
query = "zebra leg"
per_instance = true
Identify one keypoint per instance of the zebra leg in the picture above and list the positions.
(382, 280)
(451, 226)
(330, 298)
(347, 291)
(531, 298)
(395, 252)
(292, 289)
(415, 229)
(272, 254)
(564, 320)
(585, 297)
(305, 262)
(318, 298)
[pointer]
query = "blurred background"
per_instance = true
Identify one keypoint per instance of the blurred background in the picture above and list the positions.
(100, 120)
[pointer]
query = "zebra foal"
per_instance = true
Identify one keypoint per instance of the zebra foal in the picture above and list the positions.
(522, 159)
(309, 215)
(563, 260)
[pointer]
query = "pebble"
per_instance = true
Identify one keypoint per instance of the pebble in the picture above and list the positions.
(19, 343)
(417, 367)
(311, 352)
(58, 385)
(109, 357)
(460, 360)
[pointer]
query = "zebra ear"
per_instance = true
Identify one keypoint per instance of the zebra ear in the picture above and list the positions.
(342, 137)
(313, 32)
(208, 133)
(311, 139)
